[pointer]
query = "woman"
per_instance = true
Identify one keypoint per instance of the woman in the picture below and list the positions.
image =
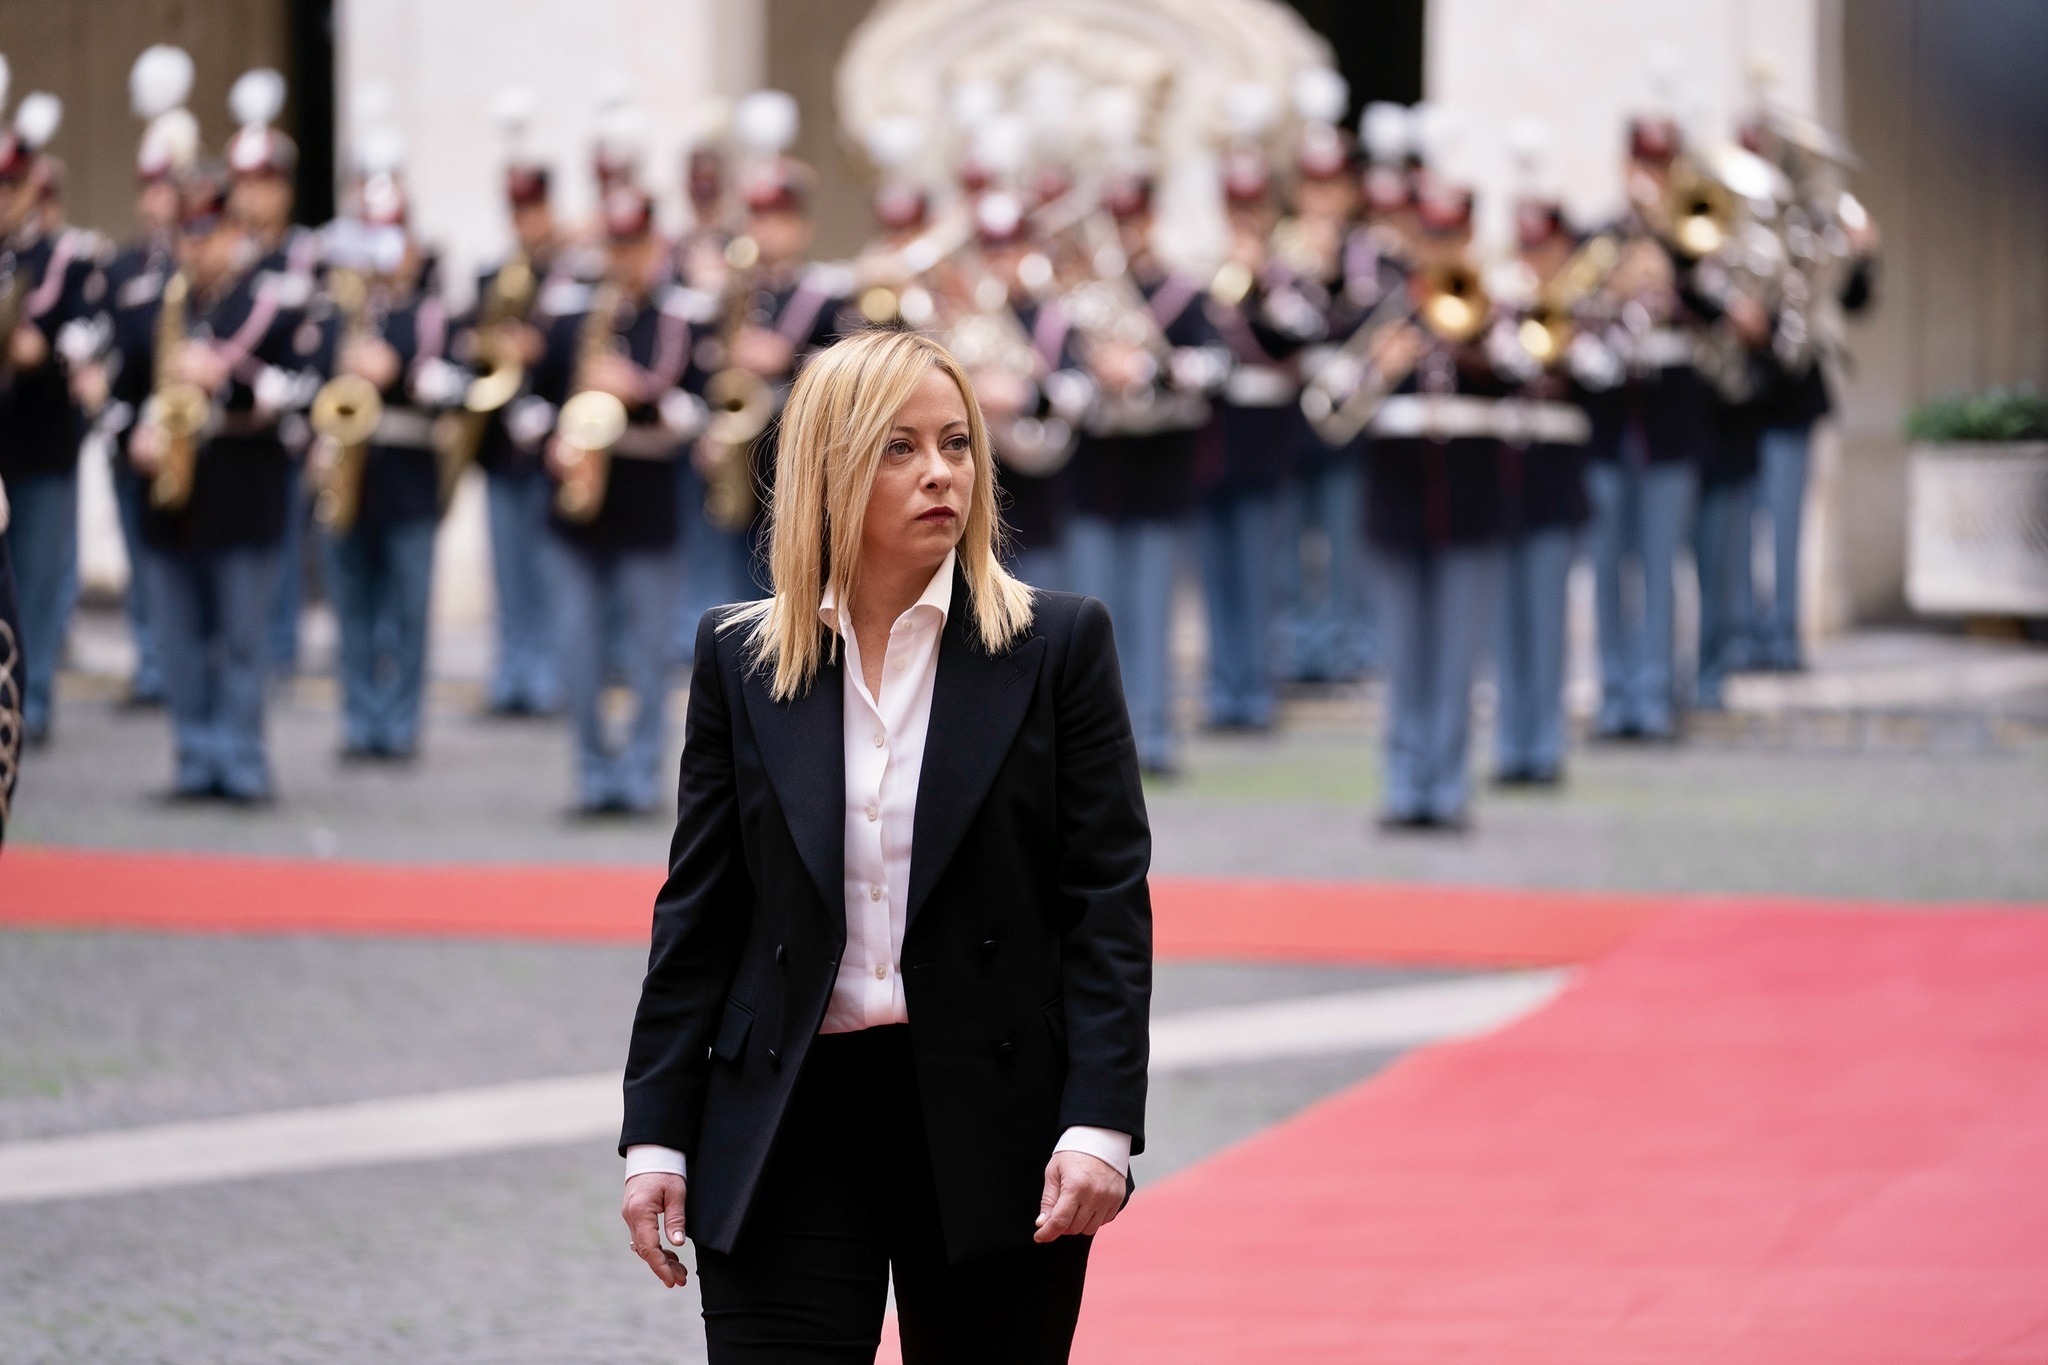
(894, 1019)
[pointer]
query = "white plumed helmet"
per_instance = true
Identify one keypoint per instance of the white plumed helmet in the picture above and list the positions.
(765, 121)
(257, 97)
(160, 81)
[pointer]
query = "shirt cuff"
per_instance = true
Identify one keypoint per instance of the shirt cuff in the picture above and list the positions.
(1104, 1144)
(647, 1158)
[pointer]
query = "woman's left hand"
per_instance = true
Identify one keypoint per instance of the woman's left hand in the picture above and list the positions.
(1082, 1194)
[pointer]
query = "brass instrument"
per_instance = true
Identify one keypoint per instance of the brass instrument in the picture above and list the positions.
(889, 290)
(1548, 330)
(178, 410)
(1108, 309)
(13, 296)
(1340, 397)
(742, 404)
(592, 421)
(345, 414)
(989, 337)
(501, 371)
(1454, 305)
(1698, 211)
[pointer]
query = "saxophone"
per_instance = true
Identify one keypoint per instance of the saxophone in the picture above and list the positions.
(741, 404)
(178, 410)
(345, 414)
(591, 421)
(501, 374)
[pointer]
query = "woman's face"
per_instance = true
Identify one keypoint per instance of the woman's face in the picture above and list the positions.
(919, 502)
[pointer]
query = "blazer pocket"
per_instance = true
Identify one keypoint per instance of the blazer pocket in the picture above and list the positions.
(1055, 1014)
(732, 1032)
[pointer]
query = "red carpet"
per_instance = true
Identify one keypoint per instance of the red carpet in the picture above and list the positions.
(1298, 921)
(1752, 1134)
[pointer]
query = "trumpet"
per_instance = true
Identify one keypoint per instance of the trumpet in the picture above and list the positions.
(742, 403)
(591, 421)
(178, 410)
(501, 372)
(345, 414)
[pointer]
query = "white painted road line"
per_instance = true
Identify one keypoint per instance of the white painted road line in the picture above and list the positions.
(567, 1109)
(1350, 1021)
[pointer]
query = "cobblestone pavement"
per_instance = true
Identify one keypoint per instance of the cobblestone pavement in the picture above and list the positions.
(1933, 802)
(1877, 780)
(506, 1257)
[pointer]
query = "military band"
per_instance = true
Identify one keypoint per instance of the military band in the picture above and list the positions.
(1368, 443)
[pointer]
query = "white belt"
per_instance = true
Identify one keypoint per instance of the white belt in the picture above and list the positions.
(1260, 386)
(1436, 417)
(404, 427)
(1546, 424)
(1313, 358)
(1664, 348)
(648, 441)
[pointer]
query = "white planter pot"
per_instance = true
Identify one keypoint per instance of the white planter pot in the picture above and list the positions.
(1977, 529)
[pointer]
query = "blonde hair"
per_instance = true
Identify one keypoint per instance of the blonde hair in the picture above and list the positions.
(833, 433)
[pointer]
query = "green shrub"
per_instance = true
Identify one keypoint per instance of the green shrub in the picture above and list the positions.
(2016, 414)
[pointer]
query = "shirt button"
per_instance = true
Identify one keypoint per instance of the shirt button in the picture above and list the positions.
(880, 739)
(881, 971)
(874, 813)
(874, 893)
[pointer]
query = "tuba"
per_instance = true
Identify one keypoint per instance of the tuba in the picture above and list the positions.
(591, 421)
(741, 403)
(345, 414)
(178, 410)
(501, 373)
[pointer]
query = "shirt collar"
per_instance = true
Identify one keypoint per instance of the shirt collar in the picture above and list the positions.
(938, 595)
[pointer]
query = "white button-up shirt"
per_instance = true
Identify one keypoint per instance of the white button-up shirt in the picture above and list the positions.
(884, 746)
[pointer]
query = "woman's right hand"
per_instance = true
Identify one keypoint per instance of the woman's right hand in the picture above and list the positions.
(653, 1210)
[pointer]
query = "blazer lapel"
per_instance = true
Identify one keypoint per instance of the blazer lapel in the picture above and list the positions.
(803, 747)
(977, 704)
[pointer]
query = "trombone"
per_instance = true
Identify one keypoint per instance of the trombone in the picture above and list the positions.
(1448, 300)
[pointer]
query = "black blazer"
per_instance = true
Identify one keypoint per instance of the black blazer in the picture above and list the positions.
(1027, 949)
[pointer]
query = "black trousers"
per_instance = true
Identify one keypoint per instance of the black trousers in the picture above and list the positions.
(847, 1199)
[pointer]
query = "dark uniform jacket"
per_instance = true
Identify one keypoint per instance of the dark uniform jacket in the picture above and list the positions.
(656, 333)
(1151, 474)
(1036, 507)
(1258, 428)
(1027, 948)
(810, 309)
(500, 452)
(1800, 398)
(1365, 277)
(239, 486)
(1424, 492)
(59, 283)
(401, 476)
(1665, 396)
(1543, 483)
(135, 279)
